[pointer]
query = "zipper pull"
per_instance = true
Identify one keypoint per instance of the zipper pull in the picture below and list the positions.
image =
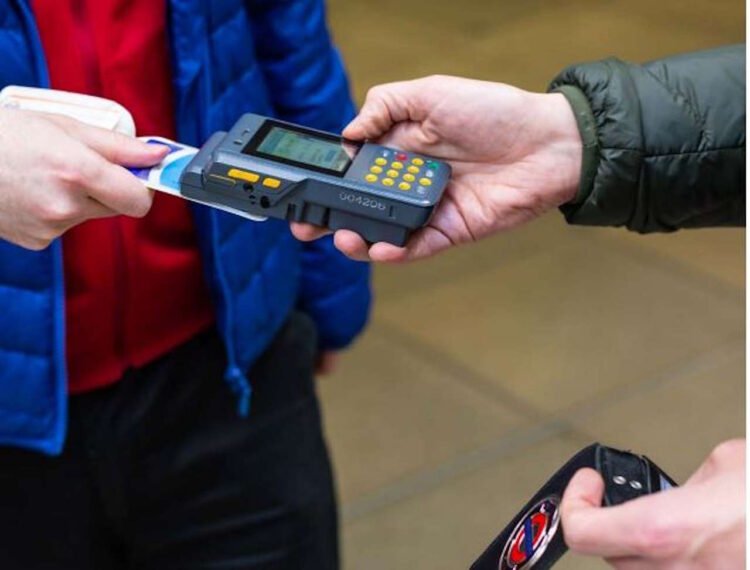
(240, 385)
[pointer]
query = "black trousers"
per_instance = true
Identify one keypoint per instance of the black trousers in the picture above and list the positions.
(159, 472)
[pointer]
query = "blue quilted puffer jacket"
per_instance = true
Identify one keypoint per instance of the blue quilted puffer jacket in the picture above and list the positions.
(229, 57)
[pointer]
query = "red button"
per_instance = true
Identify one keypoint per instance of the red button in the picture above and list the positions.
(401, 156)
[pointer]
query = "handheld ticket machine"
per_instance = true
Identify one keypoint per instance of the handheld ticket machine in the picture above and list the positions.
(266, 167)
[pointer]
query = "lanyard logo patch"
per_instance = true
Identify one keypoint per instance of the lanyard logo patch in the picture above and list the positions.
(532, 535)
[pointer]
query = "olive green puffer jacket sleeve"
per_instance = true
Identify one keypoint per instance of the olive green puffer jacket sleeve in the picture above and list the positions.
(664, 142)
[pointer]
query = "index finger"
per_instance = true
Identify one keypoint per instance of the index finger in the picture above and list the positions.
(113, 146)
(114, 186)
(385, 106)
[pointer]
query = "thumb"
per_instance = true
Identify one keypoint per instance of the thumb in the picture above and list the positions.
(582, 496)
(653, 526)
(113, 146)
(387, 105)
(585, 490)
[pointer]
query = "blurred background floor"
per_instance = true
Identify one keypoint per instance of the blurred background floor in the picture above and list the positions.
(485, 369)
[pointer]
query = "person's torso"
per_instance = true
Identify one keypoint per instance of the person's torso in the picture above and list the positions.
(252, 269)
(134, 287)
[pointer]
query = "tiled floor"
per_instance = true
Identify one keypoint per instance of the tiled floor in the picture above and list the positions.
(485, 369)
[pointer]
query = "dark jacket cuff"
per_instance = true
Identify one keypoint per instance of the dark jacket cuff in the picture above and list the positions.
(587, 127)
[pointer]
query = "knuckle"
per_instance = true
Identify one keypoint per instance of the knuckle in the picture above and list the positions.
(727, 451)
(39, 238)
(439, 83)
(56, 212)
(380, 96)
(34, 243)
(724, 456)
(76, 174)
(375, 93)
(141, 206)
(48, 235)
(66, 171)
(89, 170)
(116, 143)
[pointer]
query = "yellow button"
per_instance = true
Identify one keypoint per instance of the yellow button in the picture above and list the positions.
(381, 161)
(404, 186)
(425, 182)
(392, 173)
(243, 175)
(409, 177)
(376, 170)
(371, 178)
(417, 161)
(413, 169)
(271, 183)
(397, 165)
(387, 182)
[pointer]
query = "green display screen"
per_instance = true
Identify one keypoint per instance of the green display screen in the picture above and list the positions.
(307, 149)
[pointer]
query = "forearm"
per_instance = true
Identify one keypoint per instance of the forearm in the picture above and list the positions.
(664, 143)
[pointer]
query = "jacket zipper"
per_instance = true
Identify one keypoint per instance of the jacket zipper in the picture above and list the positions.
(84, 37)
(234, 375)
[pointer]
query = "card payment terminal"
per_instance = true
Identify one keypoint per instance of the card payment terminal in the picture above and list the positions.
(271, 168)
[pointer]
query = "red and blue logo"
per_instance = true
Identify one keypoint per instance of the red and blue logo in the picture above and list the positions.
(531, 536)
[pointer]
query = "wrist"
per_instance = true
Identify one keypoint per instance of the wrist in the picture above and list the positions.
(560, 136)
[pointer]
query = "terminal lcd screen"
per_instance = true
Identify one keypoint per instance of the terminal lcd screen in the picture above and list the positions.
(312, 150)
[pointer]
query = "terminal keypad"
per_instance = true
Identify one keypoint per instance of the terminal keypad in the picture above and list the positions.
(401, 170)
